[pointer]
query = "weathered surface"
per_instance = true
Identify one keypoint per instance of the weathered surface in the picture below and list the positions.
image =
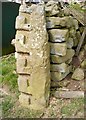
(69, 94)
(58, 49)
(23, 83)
(29, 102)
(78, 74)
(83, 64)
(57, 76)
(62, 83)
(59, 67)
(32, 56)
(72, 32)
(58, 35)
(52, 8)
(70, 42)
(60, 59)
(60, 22)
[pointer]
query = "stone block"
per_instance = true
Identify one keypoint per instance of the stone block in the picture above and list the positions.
(83, 64)
(25, 99)
(27, 62)
(75, 41)
(38, 104)
(60, 84)
(25, 9)
(58, 49)
(40, 82)
(23, 64)
(75, 22)
(60, 59)
(51, 8)
(59, 22)
(70, 43)
(59, 67)
(21, 48)
(23, 23)
(72, 32)
(21, 40)
(58, 76)
(30, 102)
(78, 74)
(23, 83)
(27, 42)
(26, 15)
(58, 35)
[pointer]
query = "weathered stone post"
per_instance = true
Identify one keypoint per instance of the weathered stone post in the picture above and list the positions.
(32, 56)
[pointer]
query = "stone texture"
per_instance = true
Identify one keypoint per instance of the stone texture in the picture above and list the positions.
(23, 64)
(60, 59)
(25, 99)
(60, 22)
(69, 94)
(70, 43)
(23, 22)
(59, 67)
(78, 74)
(58, 35)
(58, 76)
(75, 40)
(76, 26)
(59, 84)
(21, 40)
(81, 55)
(25, 9)
(83, 64)
(29, 101)
(27, 61)
(58, 49)
(85, 47)
(51, 8)
(72, 32)
(23, 83)
(32, 56)
(26, 43)
(69, 61)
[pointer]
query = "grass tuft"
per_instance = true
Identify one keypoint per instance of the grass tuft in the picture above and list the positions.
(8, 71)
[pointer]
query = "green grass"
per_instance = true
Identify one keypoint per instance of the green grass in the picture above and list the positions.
(7, 104)
(74, 105)
(12, 110)
(8, 71)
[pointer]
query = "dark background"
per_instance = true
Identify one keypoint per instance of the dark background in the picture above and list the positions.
(9, 12)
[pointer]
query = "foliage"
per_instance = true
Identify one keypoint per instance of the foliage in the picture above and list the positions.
(78, 7)
(8, 71)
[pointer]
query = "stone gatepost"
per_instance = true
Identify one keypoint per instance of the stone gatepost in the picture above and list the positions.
(32, 56)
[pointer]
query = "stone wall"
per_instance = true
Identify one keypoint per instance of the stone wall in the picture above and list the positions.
(62, 32)
(45, 34)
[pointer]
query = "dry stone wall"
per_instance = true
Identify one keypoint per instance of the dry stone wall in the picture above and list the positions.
(45, 34)
(32, 56)
(63, 33)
